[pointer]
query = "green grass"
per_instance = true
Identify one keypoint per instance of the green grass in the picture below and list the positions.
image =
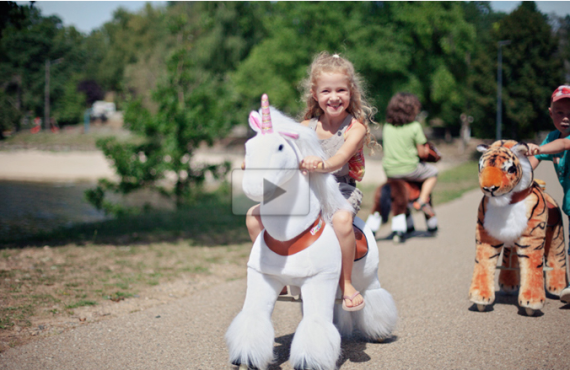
(80, 303)
(453, 183)
(10, 316)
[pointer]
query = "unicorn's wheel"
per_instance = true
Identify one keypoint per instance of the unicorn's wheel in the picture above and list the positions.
(529, 311)
(481, 307)
(397, 239)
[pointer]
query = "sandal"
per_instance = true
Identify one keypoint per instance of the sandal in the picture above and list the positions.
(425, 207)
(353, 308)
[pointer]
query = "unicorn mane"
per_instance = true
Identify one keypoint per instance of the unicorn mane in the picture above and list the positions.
(323, 184)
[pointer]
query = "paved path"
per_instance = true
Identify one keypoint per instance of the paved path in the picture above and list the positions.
(428, 277)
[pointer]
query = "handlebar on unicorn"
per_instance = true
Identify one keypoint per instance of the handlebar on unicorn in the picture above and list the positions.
(319, 166)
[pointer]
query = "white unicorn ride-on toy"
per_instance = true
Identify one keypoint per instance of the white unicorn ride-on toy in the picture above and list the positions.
(298, 248)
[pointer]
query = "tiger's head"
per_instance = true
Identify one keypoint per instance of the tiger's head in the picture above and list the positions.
(504, 169)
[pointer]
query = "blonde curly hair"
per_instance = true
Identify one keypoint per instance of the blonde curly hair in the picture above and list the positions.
(359, 108)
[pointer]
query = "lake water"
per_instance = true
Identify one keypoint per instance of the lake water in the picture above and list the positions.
(30, 207)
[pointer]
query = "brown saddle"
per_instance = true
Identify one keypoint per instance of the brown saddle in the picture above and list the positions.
(305, 239)
(361, 244)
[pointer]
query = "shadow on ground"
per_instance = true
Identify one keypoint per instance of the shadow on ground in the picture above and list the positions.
(502, 298)
(353, 349)
(409, 235)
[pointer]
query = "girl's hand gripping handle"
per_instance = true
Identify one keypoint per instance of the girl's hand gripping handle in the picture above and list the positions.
(311, 164)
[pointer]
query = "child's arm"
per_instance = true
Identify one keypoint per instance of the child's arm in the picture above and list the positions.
(554, 147)
(532, 150)
(422, 151)
(353, 142)
(534, 162)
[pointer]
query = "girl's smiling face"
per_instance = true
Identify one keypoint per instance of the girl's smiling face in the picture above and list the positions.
(332, 93)
(560, 114)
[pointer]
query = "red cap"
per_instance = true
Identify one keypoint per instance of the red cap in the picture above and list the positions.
(561, 92)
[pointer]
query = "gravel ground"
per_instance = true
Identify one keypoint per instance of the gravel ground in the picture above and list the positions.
(429, 278)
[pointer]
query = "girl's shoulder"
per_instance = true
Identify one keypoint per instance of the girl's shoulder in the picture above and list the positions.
(356, 125)
(306, 122)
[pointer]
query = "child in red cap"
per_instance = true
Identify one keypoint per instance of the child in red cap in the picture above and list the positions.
(556, 148)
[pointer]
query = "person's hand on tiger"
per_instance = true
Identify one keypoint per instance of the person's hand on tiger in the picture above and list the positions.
(533, 149)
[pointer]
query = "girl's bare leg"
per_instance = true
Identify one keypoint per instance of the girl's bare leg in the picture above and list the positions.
(342, 224)
(427, 188)
(253, 222)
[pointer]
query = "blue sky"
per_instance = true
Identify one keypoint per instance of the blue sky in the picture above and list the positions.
(88, 15)
(561, 8)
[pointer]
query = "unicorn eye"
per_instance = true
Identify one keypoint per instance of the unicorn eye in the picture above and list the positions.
(280, 147)
(512, 169)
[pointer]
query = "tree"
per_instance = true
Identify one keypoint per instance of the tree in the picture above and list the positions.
(190, 112)
(414, 46)
(562, 27)
(440, 39)
(531, 71)
(92, 91)
(481, 92)
(126, 40)
(25, 46)
(70, 107)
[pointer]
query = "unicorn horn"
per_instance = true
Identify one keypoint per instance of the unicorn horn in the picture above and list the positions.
(266, 126)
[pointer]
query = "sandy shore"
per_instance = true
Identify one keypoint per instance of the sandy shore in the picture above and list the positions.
(35, 165)
(72, 166)
(88, 166)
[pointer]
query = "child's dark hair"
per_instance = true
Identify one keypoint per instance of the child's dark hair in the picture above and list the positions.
(403, 108)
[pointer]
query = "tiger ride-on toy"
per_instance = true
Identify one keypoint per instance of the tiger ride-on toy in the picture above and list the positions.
(397, 196)
(516, 217)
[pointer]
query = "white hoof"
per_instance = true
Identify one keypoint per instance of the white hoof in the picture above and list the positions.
(481, 307)
(243, 367)
(529, 311)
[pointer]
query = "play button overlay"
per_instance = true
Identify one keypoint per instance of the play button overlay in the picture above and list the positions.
(288, 199)
(271, 191)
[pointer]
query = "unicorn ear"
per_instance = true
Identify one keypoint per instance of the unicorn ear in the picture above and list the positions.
(289, 134)
(255, 121)
(482, 148)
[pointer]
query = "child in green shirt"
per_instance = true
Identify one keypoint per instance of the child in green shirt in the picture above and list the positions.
(404, 145)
